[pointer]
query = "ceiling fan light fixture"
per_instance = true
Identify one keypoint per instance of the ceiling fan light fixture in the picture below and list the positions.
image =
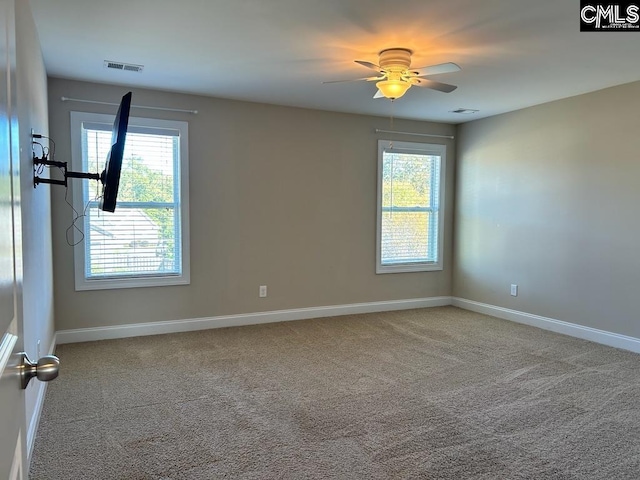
(395, 75)
(393, 89)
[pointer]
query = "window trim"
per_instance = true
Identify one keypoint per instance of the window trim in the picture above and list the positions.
(82, 283)
(422, 149)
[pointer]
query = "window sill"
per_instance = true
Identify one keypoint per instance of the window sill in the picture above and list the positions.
(116, 283)
(408, 268)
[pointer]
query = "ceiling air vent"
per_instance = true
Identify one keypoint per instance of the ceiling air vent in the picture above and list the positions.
(465, 111)
(127, 67)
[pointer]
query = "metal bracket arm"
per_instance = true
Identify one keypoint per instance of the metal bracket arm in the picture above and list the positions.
(63, 166)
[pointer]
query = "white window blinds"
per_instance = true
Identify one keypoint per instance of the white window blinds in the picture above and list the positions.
(142, 236)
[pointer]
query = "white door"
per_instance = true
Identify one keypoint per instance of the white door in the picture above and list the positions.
(12, 418)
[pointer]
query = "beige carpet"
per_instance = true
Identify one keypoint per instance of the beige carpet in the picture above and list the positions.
(438, 393)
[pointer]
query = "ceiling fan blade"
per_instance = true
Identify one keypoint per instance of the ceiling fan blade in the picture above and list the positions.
(378, 94)
(370, 65)
(425, 82)
(436, 69)
(368, 79)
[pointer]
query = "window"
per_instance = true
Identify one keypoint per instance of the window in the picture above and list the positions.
(145, 242)
(410, 206)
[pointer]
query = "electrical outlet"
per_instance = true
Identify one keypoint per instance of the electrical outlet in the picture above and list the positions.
(263, 291)
(514, 290)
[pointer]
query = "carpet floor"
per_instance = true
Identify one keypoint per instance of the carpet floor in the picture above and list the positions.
(438, 393)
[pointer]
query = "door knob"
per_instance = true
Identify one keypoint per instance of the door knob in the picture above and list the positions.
(45, 369)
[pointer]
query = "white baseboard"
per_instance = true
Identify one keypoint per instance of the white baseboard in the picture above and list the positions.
(586, 333)
(34, 421)
(188, 325)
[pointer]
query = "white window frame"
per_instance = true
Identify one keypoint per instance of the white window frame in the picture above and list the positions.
(81, 282)
(421, 149)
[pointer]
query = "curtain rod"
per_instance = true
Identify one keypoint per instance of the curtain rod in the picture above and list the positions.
(67, 99)
(451, 137)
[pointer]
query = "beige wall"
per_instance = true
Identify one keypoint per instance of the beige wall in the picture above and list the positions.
(280, 196)
(547, 198)
(37, 299)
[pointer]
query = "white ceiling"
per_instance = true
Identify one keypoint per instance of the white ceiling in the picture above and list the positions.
(513, 53)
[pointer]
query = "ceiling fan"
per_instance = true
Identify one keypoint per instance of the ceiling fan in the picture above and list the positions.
(396, 75)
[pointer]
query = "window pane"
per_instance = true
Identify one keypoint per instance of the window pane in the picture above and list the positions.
(147, 166)
(147, 169)
(131, 242)
(405, 237)
(406, 180)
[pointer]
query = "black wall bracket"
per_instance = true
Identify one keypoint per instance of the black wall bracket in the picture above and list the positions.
(44, 161)
(37, 161)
